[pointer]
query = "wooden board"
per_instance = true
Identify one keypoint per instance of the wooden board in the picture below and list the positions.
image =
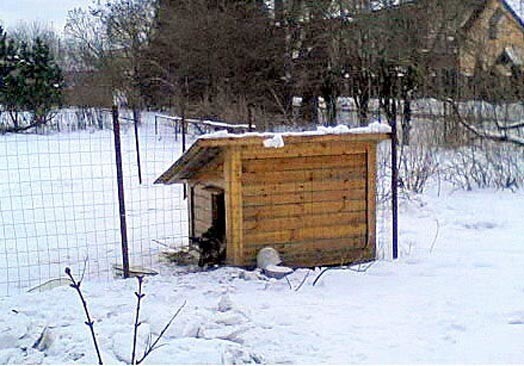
(257, 189)
(304, 234)
(201, 209)
(299, 221)
(337, 148)
(371, 191)
(268, 199)
(317, 252)
(303, 163)
(201, 227)
(233, 203)
(308, 208)
(275, 177)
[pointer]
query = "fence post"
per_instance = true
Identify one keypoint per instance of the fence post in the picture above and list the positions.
(136, 117)
(183, 122)
(394, 186)
(120, 185)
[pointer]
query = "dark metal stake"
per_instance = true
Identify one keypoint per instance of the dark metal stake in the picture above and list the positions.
(136, 120)
(394, 187)
(183, 122)
(120, 185)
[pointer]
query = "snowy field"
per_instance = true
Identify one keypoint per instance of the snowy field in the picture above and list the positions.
(59, 202)
(456, 295)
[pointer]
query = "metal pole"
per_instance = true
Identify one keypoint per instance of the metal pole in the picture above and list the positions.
(183, 121)
(177, 129)
(156, 125)
(394, 184)
(120, 185)
(136, 117)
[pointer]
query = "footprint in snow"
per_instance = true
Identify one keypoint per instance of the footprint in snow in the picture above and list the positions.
(481, 225)
(516, 318)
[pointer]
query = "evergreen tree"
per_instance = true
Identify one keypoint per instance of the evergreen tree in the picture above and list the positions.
(43, 81)
(10, 96)
(31, 81)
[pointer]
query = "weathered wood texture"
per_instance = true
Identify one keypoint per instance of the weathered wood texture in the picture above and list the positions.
(312, 199)
(308, 201)
(233, 203)
(201, 210)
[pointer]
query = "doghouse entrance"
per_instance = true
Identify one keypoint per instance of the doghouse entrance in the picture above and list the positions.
(208, 224)
(218, 214)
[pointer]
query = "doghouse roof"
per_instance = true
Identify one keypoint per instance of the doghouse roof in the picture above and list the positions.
(207, 147)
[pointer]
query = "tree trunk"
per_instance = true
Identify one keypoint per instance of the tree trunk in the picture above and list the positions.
(308, 113)
(362, 103)
(331, 109)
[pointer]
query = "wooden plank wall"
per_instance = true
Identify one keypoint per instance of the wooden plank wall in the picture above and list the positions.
(202, 207)
(310, 202)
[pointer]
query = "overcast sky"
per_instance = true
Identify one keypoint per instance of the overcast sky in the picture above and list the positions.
(52, 12)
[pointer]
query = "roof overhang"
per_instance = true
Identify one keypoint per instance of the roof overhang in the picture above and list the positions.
(207, 148)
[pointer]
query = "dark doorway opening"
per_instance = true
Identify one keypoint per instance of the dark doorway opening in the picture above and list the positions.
(218, 210)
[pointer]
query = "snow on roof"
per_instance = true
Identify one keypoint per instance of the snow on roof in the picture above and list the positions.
(207, 147)
(375, 127)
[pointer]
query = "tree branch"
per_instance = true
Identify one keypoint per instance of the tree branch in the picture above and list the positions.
(90, 323)
(502, 136)
(153, 345)
(139, 295)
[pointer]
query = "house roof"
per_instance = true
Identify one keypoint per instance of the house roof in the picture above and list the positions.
(516, 10)
(472, 10)
(207, 148)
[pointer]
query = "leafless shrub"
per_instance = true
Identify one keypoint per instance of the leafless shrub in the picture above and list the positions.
(506, 163)
(485, 165)
(384, 173)
(152, 344)
(418, 163)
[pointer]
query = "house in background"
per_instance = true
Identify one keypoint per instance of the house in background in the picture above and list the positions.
(494, 40)
(453, 39)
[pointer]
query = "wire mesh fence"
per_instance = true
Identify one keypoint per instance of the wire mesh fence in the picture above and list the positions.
(59, 201)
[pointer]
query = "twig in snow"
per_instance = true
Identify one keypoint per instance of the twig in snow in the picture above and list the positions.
(161, 243)
(90, 323)
(303, 280)
(84, 269)
(344, 268)
(152, 346)
(139, 295)
(289, 283)
(436, 236)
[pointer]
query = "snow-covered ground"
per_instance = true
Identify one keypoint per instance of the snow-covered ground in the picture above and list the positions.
(456, 295)
(59, 201)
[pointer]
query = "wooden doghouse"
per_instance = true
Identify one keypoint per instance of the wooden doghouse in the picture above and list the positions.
(312, 199)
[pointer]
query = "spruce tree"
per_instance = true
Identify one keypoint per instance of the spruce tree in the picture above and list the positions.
(10, 78)
(43, 81)
(31, 81)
